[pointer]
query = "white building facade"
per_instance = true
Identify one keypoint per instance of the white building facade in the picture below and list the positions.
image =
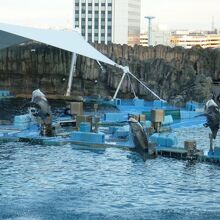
(108, 21)
(189, 39)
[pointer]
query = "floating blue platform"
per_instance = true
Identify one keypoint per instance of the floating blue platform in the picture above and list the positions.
(5, 94)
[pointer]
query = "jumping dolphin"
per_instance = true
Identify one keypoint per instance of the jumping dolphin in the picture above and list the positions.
(40, 110)
(212, 116)
(140, 139)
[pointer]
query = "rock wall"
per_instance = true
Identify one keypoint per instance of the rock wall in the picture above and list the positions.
(175, 74)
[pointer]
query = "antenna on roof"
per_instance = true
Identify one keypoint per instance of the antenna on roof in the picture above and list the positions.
(213, 23)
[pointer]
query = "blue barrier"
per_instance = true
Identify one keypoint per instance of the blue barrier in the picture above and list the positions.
(112, 116)
(158, 104)
(192, 106)
(138, 102)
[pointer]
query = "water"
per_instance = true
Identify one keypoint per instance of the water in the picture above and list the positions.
(63, 182)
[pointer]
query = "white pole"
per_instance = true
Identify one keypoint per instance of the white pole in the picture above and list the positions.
(119, 85)
(146, 87)
(72, 70)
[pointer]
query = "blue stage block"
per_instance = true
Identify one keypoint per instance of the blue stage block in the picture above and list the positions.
(22, 121)
(217, 152)
(85, 127)
(171, 140)
(168, 119)
(88, 137)
(165, 140)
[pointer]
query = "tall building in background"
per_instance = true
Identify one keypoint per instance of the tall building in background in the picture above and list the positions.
(108, 21)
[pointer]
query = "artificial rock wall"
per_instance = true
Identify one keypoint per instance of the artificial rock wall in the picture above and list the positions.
(175, 74)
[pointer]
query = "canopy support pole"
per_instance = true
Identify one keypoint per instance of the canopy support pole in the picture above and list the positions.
(72, 70)
(146, 87)
(125, 71)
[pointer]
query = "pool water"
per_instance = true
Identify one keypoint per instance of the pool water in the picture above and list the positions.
(65, 182)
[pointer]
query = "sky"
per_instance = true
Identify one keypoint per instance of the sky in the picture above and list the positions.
(182, 14)
(170, 14)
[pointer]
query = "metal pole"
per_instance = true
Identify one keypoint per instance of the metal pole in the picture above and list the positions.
(72, 70)
(149, 18)
(149, 32)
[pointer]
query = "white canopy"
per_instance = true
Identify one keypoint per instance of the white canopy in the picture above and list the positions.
(67, 40)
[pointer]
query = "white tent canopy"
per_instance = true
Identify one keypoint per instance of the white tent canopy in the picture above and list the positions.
(67, 40)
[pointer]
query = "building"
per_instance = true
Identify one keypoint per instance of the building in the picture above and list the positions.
(144, 39)
(108, 21)
(189, 39)
(158, 37)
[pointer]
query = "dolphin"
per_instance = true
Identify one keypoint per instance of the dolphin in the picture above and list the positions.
(138, 134)
(212, 117)
(40, 110)
(140, 139)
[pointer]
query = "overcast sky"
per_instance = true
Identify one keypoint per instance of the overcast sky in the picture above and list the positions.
(183, 14)
(174, 14)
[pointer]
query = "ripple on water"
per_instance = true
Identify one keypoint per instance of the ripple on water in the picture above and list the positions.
(108, 183)
(63, 182)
